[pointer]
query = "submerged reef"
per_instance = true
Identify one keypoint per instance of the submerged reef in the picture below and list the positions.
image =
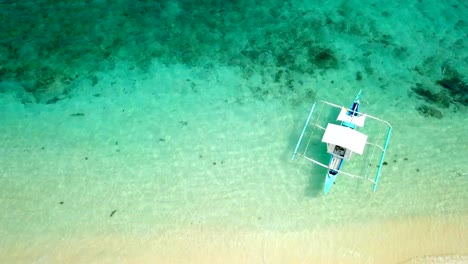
(450, 91)
(45, 49)
(48, 49)
(457, 89)
(429, 111)
(440, 98)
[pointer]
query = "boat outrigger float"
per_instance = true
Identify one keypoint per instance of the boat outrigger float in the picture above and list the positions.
(343, 140)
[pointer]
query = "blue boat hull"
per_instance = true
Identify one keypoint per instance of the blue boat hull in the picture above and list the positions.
(332, 173)
(329, 181)
(336, 163)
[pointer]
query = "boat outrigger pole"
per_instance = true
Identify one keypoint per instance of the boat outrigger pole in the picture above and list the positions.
(303, 131)
(387, 139)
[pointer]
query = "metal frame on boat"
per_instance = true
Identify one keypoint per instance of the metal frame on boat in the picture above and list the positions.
(343, 140)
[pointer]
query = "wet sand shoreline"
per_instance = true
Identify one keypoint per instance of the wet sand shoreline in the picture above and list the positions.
(417, 240)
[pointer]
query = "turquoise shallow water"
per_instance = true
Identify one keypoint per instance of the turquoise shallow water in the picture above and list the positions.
(139, 117)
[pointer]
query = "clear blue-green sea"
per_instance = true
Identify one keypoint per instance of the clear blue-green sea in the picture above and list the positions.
(137, 118)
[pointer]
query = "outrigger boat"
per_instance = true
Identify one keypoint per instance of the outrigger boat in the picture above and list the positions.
(344, 139)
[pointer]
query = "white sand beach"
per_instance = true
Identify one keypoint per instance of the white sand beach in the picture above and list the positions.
(420, 240)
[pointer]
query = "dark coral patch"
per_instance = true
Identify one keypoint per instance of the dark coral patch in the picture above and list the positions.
(439, 98)
(323, 58)
(429, 111)
(457, 89)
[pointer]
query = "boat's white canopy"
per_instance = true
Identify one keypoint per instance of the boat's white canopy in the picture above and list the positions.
(357, 120)
(345, 137)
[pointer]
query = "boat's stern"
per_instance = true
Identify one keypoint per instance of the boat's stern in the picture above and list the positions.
(329, 181)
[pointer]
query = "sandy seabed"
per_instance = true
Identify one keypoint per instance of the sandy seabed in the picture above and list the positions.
(431, 239)
(398, 239)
